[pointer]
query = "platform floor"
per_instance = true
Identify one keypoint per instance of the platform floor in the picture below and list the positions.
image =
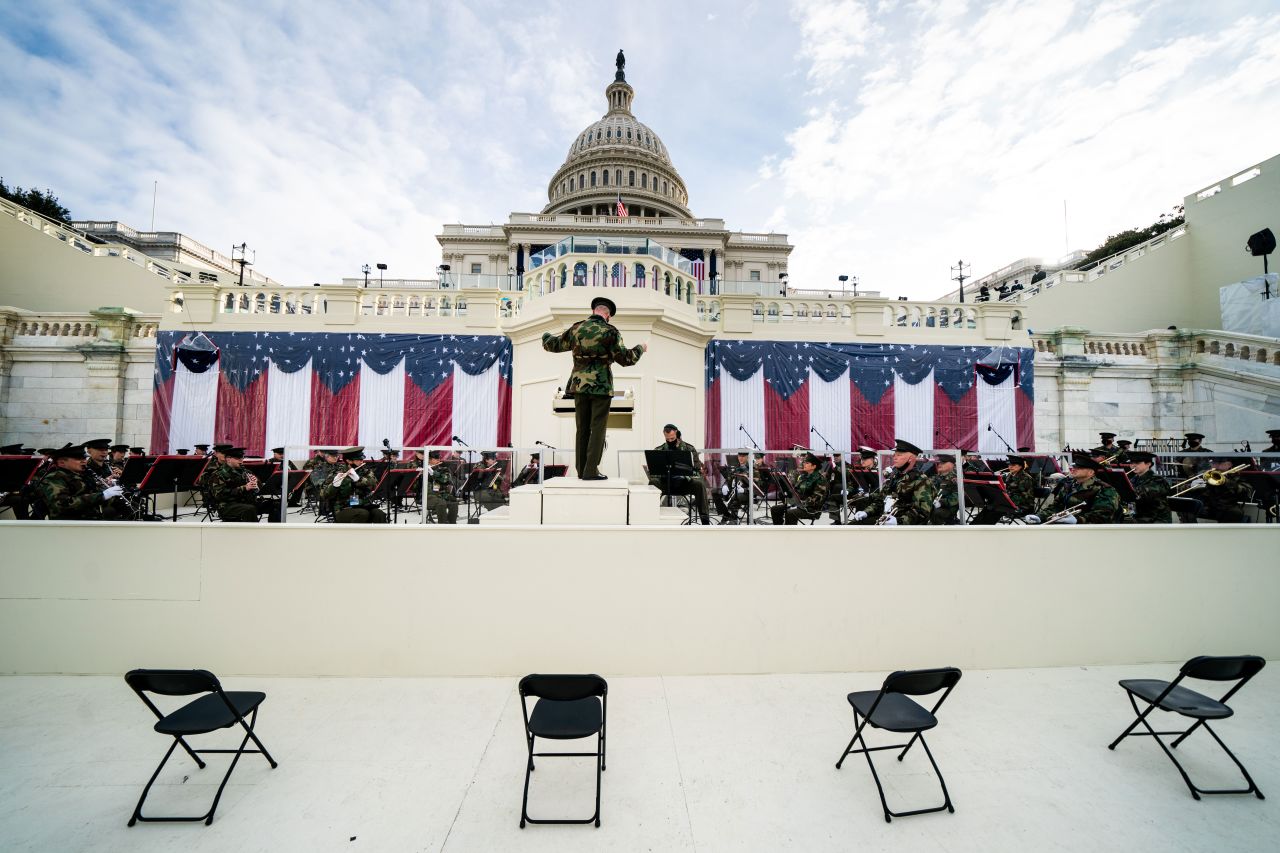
(717, 763)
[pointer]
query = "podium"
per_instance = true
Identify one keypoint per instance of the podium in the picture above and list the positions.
(570, 501)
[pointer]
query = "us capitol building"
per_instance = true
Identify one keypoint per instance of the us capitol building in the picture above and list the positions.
(1141, 350)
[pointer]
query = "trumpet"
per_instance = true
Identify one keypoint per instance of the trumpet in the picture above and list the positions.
(1058, 516)
(1212, 477)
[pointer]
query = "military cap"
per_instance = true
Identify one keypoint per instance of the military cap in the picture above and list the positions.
(434, 454)
(1274, 433)
(902, 446)
(1105, 435)
(607, 303)
(940, 458)
(182, 451)
(1124, 442)
(201, 447)
(1086, 462)
(813, 459)
(234, 453)
(1015, 460)
(98, 444)
(353, 453)
(866, 452)
(123, 448)
(1194, 435)
(330, 451)
(1142, 456)
(222, 448)
(279, 450)
(1024, 449)
(11, 449)
(68, 451)
(46, 451)
(137, 451)
(742, 451)
(28, 451)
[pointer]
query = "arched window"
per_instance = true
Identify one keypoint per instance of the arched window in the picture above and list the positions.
(604, 177)
(581, 180)
(593, 178)
(609, 133)
(631, 178)
(617, 177)
(644, 181)
(580, 274)
(639, 280)
(665, 191)
(628, 133)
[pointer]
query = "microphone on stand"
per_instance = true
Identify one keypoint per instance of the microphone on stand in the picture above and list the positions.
(460, 441)
(544, 444)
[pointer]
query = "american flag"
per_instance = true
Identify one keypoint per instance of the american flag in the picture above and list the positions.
(622, 208)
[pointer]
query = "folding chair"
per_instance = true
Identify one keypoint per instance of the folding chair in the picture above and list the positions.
(1169, 696)
(218, 709)
(889, 708)
(568, 707)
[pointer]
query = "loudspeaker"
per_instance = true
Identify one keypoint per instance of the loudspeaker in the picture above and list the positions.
(1262, 243)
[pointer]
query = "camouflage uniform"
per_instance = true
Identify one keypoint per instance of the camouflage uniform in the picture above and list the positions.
(947, 504)
(913, 495)
(234, 503)
(812, 489)
(693, 484)
(96, 476)
(595, 344)
(1222, 503)
(66, 496)
(1153, 498)
(738, 493)
(351, 501)
(1101, 502)
(489, 498)
(440, 497)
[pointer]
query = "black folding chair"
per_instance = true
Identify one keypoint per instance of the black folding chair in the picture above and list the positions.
(568, 707)
(889, 708)
(1170, 696)
(217, 709)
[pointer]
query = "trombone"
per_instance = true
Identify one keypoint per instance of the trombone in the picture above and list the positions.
(1211, 477)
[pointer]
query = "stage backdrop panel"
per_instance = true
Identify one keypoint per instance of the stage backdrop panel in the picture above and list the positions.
(262, 389)
(868, 394)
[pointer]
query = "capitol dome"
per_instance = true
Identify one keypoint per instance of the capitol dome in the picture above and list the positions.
(618, 155)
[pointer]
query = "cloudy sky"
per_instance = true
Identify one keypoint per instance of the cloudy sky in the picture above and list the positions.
(888, 139)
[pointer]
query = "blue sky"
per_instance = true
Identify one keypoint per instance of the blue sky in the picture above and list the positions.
(886, 138)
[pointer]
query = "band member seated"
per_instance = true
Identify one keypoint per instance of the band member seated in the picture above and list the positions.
(349, 489)
(488, 491)
(529, 473)
(693, 485)
(1100, 502)
(946, 505)
(1021, 488)
(811, 487)
(277, 456)
(1224, 503)
(1108, 445)
(119, 454)
(734, 493)
(442, 498)
(96, 465)
(66, 495)
(1193, 465)
(1153, 490)
(1123, 452)
(235, 491)
(907, 495)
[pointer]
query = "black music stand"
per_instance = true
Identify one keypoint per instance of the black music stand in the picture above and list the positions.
(15, 473)
(1117, 479)
(172, 473)
(674, 468)
(550, 472)
(135, 470)
(271, 485)
(1266, 491)
(988, 492)
(260, 468)
(400, 484)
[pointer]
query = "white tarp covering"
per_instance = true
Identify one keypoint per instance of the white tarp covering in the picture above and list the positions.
(1245, 311)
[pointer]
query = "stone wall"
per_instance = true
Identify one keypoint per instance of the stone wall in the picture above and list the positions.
(67, 377)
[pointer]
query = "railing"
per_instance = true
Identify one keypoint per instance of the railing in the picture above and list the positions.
(1179, 346)
(451, 281)
(113, 228)
(586, 219)
(619, 246)
(79, 326)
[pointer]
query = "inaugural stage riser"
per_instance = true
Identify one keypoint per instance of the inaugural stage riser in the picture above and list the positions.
(328, 600)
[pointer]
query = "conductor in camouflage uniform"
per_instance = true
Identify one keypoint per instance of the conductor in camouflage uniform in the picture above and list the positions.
(349, 489)
(65, 493)
(1152, 506)
(811, 487)
(946, 505)
(595, 345)
(235, 493)
(1101, 502)
(693, 484)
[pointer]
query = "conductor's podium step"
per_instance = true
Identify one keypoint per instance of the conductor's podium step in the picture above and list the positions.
(567, 500)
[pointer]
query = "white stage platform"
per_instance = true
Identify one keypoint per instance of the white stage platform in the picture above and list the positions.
(707, 764)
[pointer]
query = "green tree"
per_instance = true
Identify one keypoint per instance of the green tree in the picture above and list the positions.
(44, 203)
(1117, 243)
